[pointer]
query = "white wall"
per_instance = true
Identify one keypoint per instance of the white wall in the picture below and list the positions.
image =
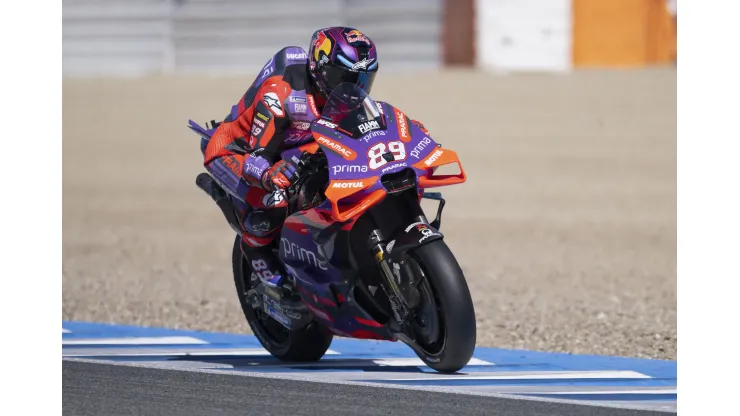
(137, 37)
(523, 35)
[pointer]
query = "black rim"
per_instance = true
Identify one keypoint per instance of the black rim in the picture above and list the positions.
(269, 327)
(428, 320)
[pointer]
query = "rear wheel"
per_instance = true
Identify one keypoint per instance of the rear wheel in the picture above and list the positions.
(306, 344)
(444, 322)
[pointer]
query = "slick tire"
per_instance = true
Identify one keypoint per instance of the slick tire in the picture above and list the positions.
(302, 345)
(457, 342)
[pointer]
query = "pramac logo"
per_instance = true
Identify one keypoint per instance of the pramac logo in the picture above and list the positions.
(403, 127)
(345, 152)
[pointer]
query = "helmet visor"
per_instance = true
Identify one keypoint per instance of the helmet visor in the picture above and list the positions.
(334, 76)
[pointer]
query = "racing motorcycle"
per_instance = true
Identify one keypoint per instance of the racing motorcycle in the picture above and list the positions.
(360, 256)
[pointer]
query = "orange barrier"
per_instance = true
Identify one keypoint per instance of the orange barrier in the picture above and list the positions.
(622, 33)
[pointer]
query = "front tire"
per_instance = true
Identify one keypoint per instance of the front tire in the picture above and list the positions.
(305, 344)
(448, 294)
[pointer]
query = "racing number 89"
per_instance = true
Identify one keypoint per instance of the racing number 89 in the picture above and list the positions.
(375, 153)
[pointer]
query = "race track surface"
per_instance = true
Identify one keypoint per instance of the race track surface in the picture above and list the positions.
(566, 228)
(102, 389)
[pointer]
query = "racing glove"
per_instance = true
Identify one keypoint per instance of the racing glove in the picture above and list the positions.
(279, 176)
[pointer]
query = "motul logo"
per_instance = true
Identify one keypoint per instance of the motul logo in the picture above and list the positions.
(349, 154)
(345, 185)
(433, 158)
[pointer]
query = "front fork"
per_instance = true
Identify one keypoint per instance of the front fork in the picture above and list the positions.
(402, 293)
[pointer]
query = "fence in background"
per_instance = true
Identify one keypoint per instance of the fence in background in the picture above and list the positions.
(137, 37)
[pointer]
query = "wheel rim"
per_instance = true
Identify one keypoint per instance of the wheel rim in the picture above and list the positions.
(269, 327)
(428, 321)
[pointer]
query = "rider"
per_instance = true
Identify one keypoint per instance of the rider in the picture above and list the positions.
(275, 113)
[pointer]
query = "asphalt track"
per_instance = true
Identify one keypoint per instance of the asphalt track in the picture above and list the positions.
(106, 389)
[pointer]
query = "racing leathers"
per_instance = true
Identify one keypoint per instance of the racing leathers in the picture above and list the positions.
(243, 154)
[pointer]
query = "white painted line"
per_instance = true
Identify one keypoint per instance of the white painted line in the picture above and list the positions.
(134, 341)
(665, 391)
(177, 353)
(539, 376)
(65, 331)
(418, 362)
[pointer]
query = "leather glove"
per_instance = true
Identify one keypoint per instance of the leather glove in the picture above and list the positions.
(279, 176)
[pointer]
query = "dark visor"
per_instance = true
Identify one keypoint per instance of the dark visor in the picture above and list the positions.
(335, 76)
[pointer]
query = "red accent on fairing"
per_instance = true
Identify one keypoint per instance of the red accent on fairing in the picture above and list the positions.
(341, 298)
(296, 225)
(326, 301)
(368, 322)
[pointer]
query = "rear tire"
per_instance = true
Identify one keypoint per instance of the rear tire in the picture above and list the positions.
(306, 344)
(456, 342)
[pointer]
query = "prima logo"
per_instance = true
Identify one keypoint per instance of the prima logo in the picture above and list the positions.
(426, 141)
(294, 251)
(433, 158)
(374, 133)
(337, 169)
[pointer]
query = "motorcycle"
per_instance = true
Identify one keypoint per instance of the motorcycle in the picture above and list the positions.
(361, 258)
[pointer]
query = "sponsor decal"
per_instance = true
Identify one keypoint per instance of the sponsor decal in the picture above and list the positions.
(368, 126)
(372, 134)
(390, 245)
(403, 128)
(312, 104)
(433, 158)
(424, 229)
(326, 123)
(363, 64)
(252, 142)
(355, 36)
(299, 108)
(274, 314)
(297, 136)
(392, 167)
(259, 122)
(294, 99)
(274, 198)
(297, 56)
(263, 117)
(321, 44)
(301, 125)
(345, 152)
(294, 251)
(273, 103)
(337, 169)
(397, 272)
(348, 185)
(232, 164)
(252, 169)
(380, 108)
(416, 152)
(268, 68)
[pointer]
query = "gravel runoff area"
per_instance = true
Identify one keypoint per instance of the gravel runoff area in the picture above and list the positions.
(566, 227)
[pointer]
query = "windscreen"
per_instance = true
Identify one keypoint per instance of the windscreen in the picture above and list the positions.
(352, 109)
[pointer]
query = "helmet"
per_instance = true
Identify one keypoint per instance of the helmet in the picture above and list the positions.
(341, 54)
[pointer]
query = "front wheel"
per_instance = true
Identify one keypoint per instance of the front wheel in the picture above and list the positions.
(309, 343)
(444, 321)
